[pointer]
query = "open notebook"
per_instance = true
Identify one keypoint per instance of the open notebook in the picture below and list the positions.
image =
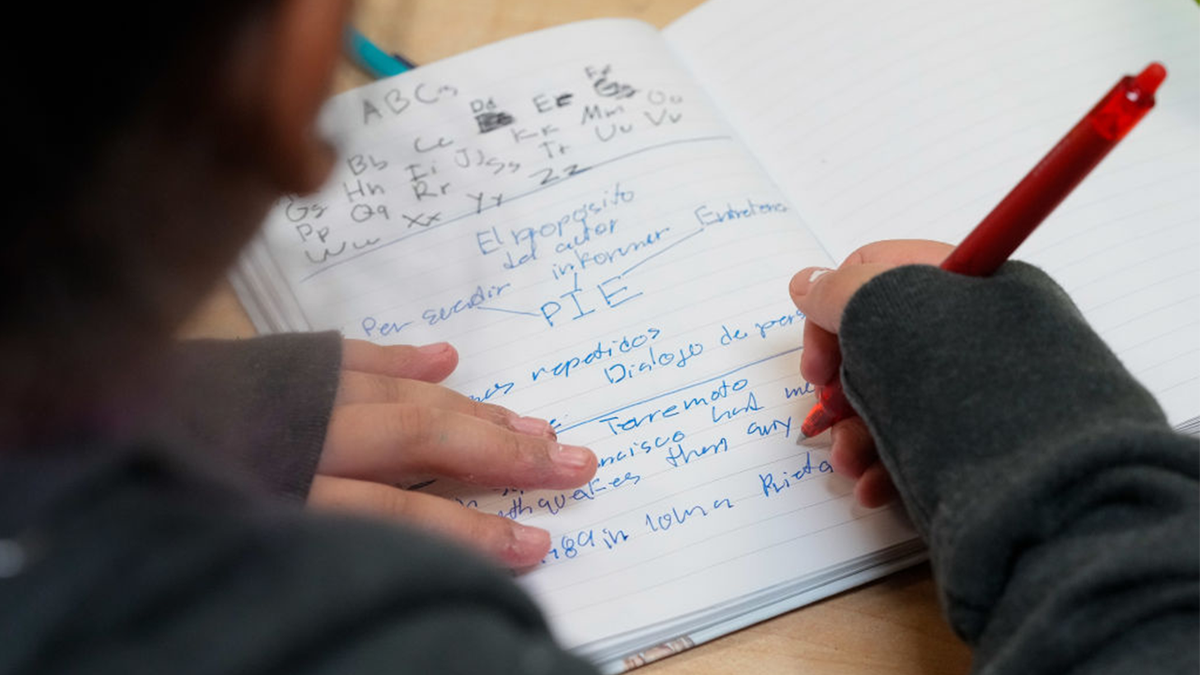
(603, 218)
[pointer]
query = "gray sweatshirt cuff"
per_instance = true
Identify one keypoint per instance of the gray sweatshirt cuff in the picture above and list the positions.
(1034, 465)
(951, 370)
(260, 406)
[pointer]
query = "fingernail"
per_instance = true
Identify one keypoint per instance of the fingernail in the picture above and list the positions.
(532, 426)
(433, 349)
(571, 456)
(531, 538)
(801, 283)
(800, 286)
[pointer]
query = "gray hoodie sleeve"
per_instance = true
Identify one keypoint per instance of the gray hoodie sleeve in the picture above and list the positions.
(1060, 509)
(262, 405)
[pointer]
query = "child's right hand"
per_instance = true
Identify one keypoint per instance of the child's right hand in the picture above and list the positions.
(822, 295)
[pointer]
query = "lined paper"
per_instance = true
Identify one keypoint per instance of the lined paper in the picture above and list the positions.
(903, 120)
(571, 213)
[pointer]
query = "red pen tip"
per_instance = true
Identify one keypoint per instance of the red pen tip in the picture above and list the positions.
(1147, 81)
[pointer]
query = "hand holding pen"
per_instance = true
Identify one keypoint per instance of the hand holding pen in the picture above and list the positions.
(980, 254)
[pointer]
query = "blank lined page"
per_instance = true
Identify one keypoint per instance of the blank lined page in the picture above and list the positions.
(884, 120)
(569, 211)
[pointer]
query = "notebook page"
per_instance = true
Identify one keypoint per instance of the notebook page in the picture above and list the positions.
(569, 212)
(914, 119)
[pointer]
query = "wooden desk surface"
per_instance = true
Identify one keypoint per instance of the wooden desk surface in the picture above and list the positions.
(891, 626)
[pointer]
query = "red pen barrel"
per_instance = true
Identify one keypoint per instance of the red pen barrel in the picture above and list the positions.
(1053, 178)
(1043, 189)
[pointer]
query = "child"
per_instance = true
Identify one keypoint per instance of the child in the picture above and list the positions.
(149, 147)
(126, 545)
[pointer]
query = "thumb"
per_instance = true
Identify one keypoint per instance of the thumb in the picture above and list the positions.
(429, 363)
(822, 293)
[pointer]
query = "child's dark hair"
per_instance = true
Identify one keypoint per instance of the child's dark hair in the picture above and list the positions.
(84, 70)
(72, 100)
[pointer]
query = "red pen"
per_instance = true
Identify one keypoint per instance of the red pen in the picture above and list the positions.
(1028, 204)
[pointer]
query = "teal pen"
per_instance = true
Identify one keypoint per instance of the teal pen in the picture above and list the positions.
(371, 58)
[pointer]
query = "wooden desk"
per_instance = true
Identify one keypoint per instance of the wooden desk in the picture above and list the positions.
(892, 626)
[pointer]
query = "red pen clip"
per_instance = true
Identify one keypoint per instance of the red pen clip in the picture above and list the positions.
(1127, 102)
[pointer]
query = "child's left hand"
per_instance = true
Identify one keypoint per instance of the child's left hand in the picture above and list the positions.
(392, 425)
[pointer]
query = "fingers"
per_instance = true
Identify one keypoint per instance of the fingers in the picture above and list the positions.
(854, 455)
(399, 443)
(900, 252)
(853, 449)
(511, 543)
(374, 374)
(821, 357)
(358, 388)
(822, 294)
(875, 488)
(430, 363)
(391, 424)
